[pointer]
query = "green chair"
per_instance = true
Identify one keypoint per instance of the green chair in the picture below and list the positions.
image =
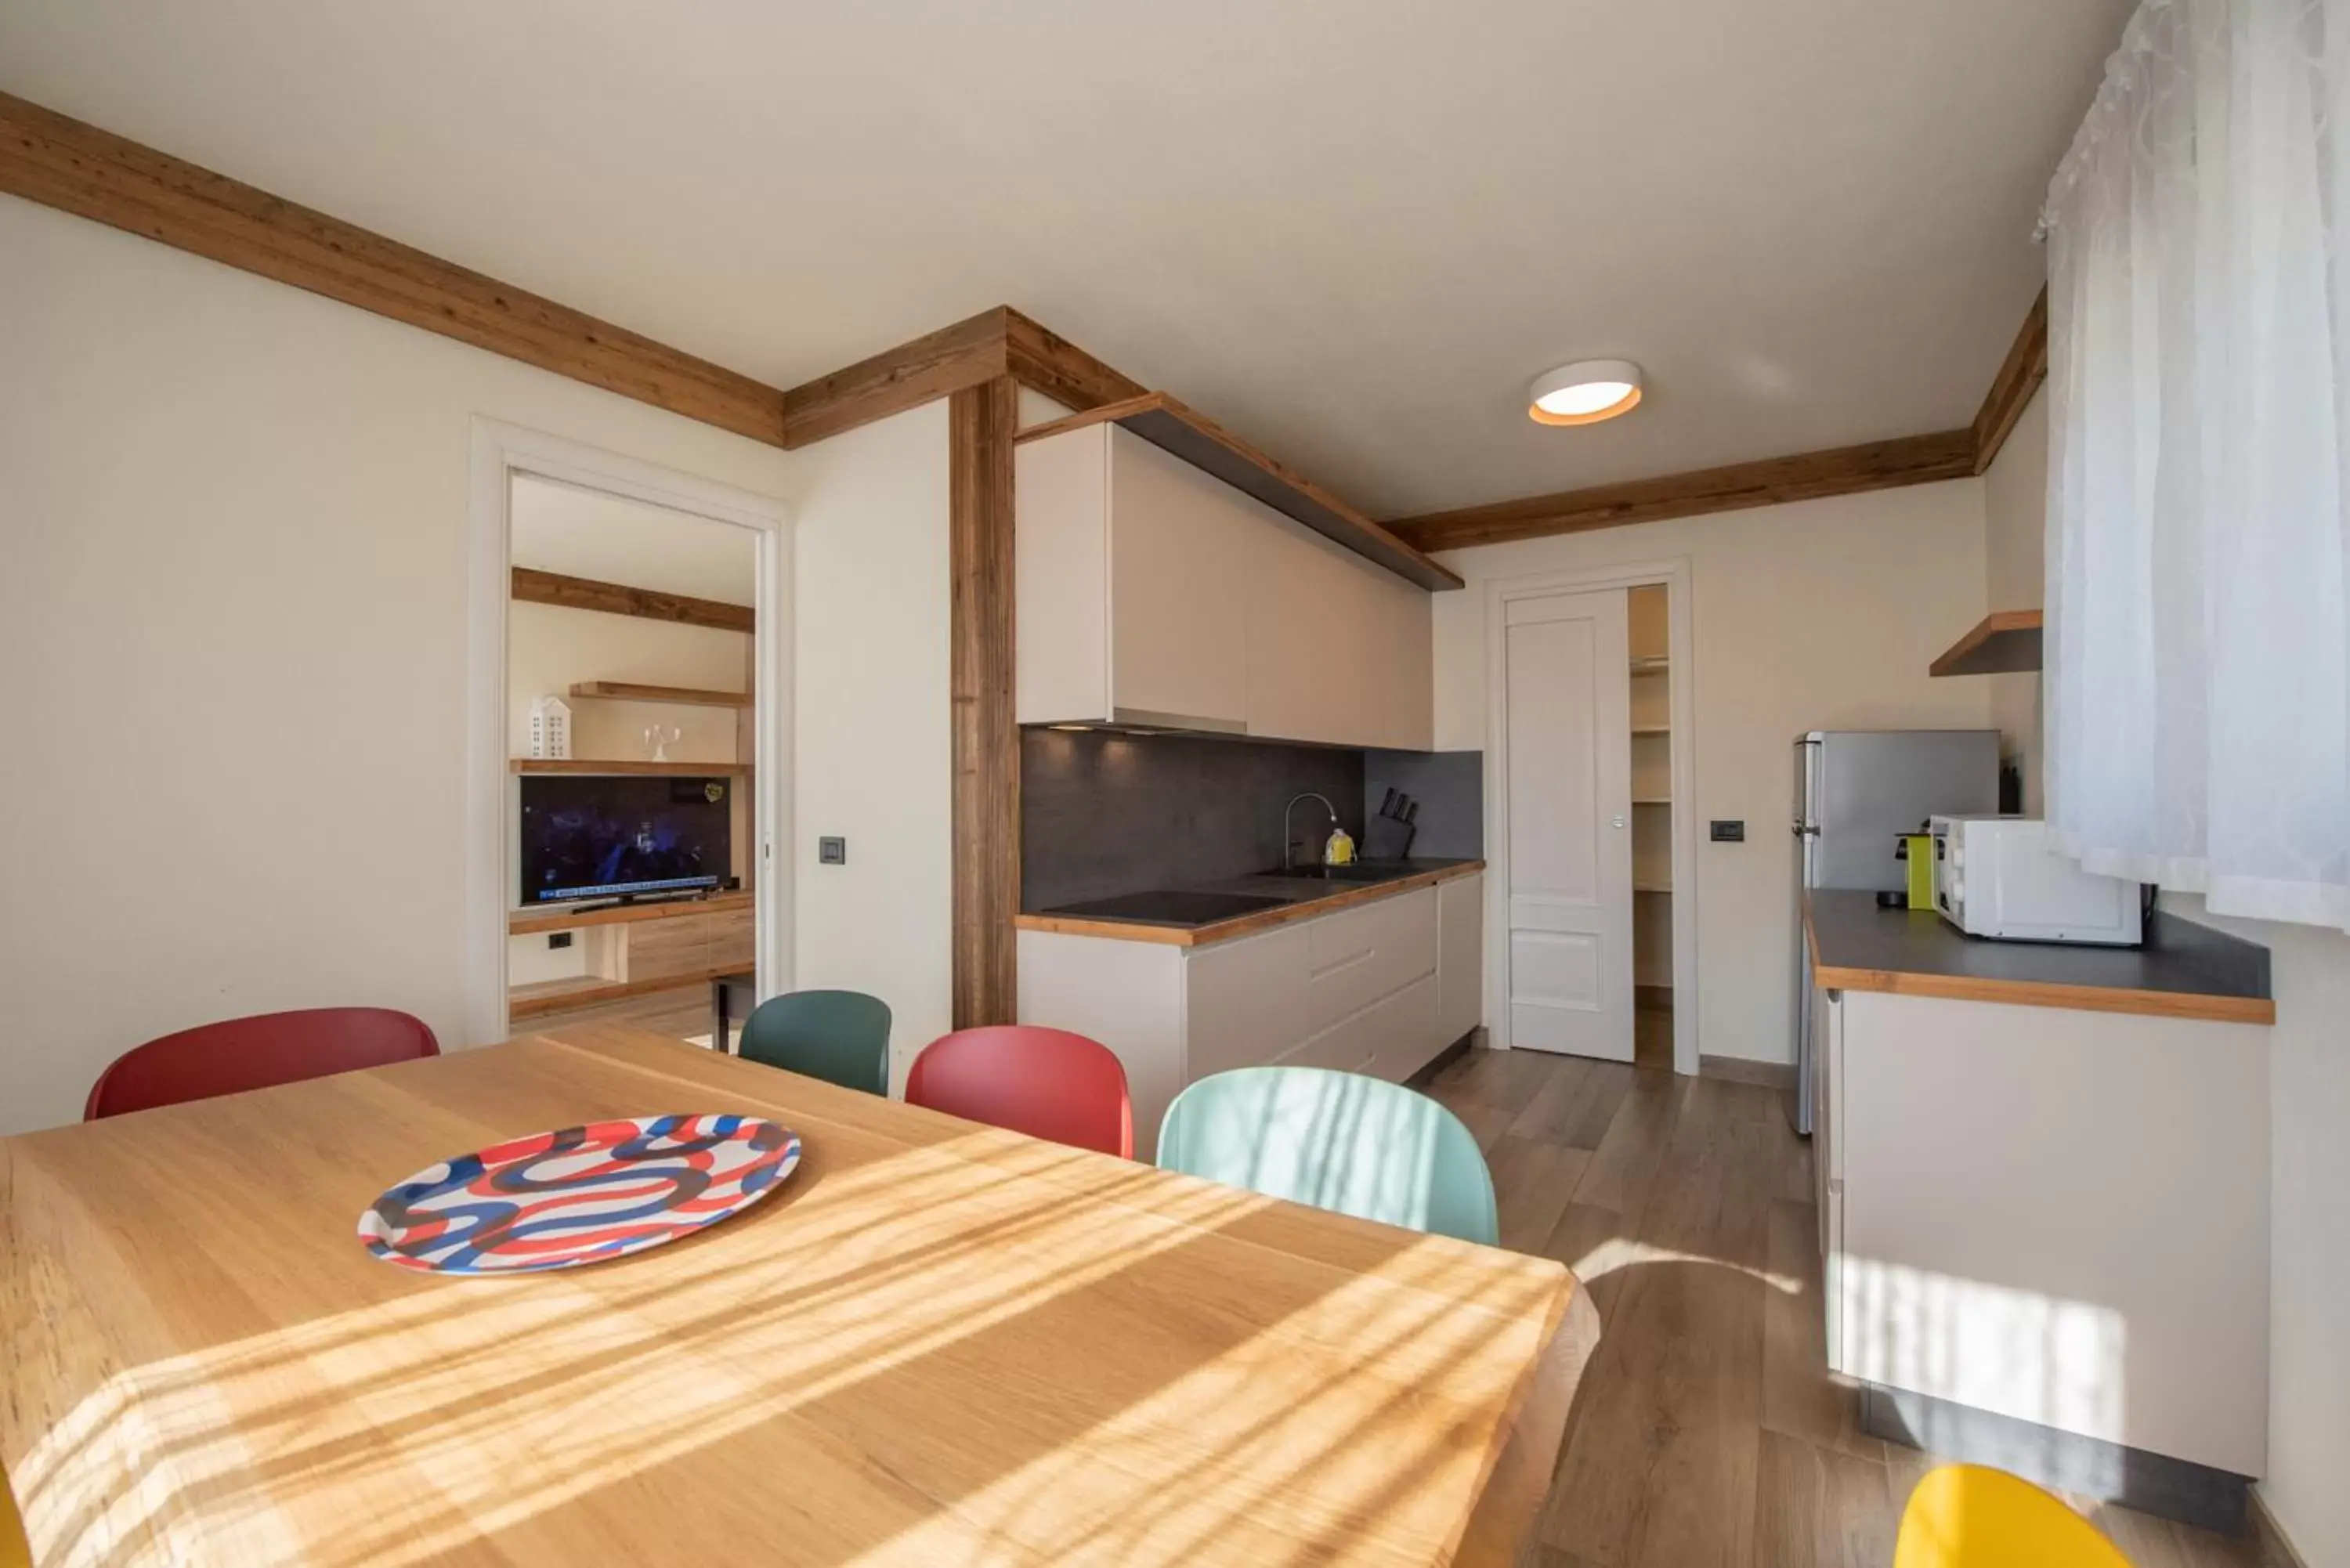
(840, 1036)
(1342, 1141)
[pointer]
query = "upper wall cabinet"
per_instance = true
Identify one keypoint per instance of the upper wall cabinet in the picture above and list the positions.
(1153, 593)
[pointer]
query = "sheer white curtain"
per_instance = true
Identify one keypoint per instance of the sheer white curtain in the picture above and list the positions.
(2198, 684)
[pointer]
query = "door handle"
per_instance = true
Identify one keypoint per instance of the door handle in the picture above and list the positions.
(1616, 820)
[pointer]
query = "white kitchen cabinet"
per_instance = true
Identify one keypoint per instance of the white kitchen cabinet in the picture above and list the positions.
(1358, 990)
(1461, 960)
(1149, 591)
(2055, 1215)
(1126, 565)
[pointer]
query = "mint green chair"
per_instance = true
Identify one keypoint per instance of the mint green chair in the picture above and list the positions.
(1342, 1141)
(840, 1036)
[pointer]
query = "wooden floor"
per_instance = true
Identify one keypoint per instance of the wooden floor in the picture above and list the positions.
(1707, 1429)
(682, 1013)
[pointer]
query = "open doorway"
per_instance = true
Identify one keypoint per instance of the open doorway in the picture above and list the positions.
(628, 715)
(1650, 640)
(1591, 852)
(629, 690)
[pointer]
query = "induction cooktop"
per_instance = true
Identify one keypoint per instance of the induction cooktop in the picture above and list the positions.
(1171, 909)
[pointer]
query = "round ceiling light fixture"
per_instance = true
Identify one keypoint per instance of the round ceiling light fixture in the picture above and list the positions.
(1586, 393)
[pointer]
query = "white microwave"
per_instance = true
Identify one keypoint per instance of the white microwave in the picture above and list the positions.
(1998, 876)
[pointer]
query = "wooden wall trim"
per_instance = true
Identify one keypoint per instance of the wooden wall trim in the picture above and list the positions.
(539, 587)
(997, 342)
(928, 368)
(2019, 377)
(981, 422)
(1845, 471)
(1039, 357)
(64, 164)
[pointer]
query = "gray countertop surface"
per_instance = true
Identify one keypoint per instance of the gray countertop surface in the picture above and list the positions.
(1851, 936)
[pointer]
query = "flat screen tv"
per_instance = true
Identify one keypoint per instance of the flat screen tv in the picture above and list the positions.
(598, 836)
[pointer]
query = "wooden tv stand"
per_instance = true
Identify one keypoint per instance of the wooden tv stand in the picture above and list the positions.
(633, 948)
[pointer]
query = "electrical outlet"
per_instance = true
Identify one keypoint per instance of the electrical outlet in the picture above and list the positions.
(832, 852)
(558, 938)
(1729, 833)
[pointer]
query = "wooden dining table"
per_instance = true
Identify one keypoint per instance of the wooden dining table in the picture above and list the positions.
(935, 1343)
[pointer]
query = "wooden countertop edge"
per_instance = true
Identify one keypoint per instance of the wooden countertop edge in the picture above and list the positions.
(2047, 993)
(2036, 992)
(1242, 925)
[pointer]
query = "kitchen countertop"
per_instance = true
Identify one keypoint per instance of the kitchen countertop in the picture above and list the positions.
(1305, 898)
(2184, 971)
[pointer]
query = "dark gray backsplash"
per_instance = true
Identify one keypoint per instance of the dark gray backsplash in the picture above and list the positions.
(1450, 789)
(1102, 815)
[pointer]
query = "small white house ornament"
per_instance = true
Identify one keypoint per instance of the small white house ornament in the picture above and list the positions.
(550, 727)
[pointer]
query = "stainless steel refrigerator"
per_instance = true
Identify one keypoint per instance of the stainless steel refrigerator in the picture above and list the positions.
(1857, 792)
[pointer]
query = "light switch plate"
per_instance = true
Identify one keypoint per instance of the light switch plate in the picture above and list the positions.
(832, 852)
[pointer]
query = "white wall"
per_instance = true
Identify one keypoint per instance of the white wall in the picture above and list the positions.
(2016, 507)
(232, 651)
(872, 720)
(2308, 1089)
(549, 647)
(1814, 615)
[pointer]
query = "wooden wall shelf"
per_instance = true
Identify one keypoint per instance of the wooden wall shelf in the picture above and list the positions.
(2003, 643)
(530, 922)
(692, 696)
(1206, 445)
(595, 766)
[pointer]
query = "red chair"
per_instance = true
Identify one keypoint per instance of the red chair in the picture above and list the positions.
(239, 1054)
(1046, 1083)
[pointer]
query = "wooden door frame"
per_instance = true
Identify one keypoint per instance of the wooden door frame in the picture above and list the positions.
(1680, 680)
(501, 452)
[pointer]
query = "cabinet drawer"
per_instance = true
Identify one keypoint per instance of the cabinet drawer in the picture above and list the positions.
(1244, 1002)
(733, 939)
(1407, 1031)
(1360, 955)
(668, 949)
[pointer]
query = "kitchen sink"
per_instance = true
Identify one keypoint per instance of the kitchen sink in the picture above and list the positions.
(1337, 873)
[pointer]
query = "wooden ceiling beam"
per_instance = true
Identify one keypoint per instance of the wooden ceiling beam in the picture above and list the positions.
(1845, 471)
(922, 370)
(539, 587)
(1039, 357)
(1808, 476)
(2019, 377)
(62, 162)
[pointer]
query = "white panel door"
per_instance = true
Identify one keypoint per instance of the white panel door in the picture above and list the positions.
(1569, 783)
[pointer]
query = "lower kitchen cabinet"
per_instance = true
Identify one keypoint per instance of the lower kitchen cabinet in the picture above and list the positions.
(1375, 988)
(2054, 1216)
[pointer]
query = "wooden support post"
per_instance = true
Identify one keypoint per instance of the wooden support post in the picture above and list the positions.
(981, 422)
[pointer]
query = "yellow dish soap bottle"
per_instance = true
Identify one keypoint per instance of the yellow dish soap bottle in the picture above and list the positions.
(1340, 849)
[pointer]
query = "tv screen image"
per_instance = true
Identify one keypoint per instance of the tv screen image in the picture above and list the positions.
(588, 836)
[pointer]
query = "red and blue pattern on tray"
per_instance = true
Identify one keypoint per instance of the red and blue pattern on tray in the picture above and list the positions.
(579, 1195)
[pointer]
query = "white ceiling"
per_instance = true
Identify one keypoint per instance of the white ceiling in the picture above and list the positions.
(1351, 229)
(612, 539)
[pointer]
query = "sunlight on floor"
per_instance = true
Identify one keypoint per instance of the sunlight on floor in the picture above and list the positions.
(1624, 1253)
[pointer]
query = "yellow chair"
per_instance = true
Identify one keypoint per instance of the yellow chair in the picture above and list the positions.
(16, 1551)
(1965, 1516)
